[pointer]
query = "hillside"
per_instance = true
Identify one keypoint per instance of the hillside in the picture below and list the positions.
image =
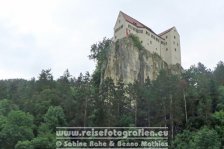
(190, 103)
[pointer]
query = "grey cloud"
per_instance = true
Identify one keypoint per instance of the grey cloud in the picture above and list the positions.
(79, 24)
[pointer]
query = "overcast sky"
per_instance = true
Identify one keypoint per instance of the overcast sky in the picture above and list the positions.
(58, 34)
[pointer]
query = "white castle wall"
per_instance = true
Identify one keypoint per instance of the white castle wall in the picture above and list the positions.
(167, 45)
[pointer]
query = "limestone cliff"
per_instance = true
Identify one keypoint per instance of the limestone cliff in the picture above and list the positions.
(129, 62)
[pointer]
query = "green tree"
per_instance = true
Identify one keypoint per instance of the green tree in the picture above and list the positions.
(198, 95)
(6, 106)
(104, 115)
(167, 101)
(46, 141)
(182, 140)
(219, 73)
(79, 107)
(24, 145)
(39, 103)
(206, 138)
(18, 127)
(220, 103)
(55, 117)
(122, 106)
(218, 124)
(214, 95)
(98, 53)
(3, 120)
(138, 98)
(45, 138)
(3, 89)
(45, 80)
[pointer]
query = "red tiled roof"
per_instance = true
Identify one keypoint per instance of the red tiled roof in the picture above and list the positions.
(133, 21)
(136, 23)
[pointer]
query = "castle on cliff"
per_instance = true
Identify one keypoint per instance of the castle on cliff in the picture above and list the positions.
(165, 44)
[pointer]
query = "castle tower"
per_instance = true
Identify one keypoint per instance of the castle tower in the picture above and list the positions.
(172, 50)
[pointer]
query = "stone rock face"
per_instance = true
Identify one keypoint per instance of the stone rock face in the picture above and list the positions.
(127, 62)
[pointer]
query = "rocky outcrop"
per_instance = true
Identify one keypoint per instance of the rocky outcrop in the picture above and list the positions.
(129, 62)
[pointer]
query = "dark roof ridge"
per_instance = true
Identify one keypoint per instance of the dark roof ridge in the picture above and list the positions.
(166, 31)
(137, 23)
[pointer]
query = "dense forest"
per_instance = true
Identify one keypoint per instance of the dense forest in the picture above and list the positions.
(190, 104)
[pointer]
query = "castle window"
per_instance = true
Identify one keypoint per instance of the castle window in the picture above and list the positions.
(174, 37)
(147, 33)
(166, 49)
(141, 41)
(139, 31)
(175, 49)
(166, 37)
(153, 37)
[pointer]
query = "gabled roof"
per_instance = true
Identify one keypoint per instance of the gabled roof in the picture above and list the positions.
(141, 25)
(132, 20)
(166, 31)
(136, 22)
